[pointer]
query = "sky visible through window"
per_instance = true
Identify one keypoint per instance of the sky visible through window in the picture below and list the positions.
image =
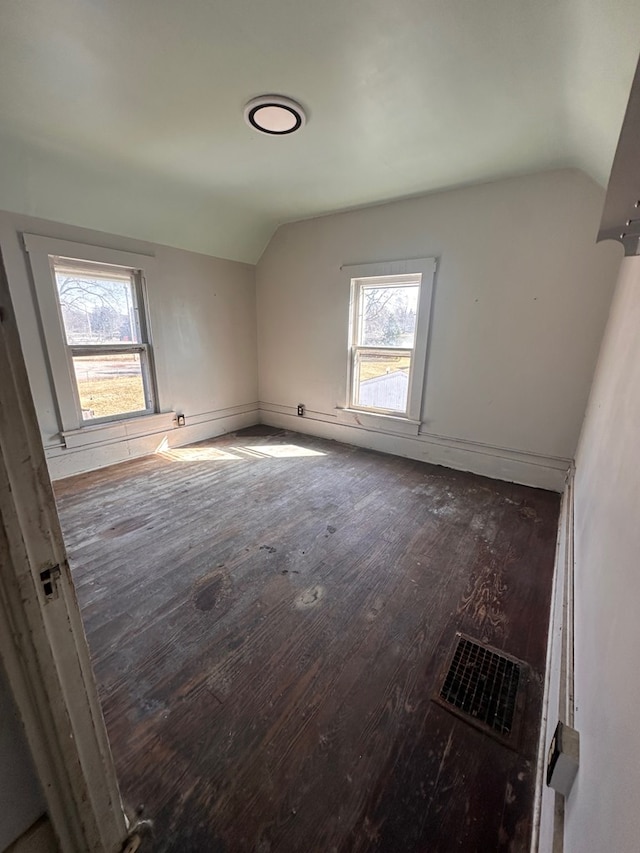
(96, 309)
(387, 321)
(389, 315)
(99, 309)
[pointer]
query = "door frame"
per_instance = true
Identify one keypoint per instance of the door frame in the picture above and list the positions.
(42, 641)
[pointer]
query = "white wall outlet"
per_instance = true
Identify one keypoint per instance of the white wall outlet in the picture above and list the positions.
(563, 759)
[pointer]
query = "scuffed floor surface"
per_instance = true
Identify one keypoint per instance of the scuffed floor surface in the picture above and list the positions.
(269, 618)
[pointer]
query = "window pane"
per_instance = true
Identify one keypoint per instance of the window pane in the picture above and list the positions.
(109, 384)
(389, 315)
(382, 381)
(97, 308)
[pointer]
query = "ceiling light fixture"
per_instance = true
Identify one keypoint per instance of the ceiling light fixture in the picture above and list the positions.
(275, 115)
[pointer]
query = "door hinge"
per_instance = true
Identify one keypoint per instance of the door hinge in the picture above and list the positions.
(49, 582)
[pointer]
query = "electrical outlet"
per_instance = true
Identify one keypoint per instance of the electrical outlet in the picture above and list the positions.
(563, 759)
(300, 409)
(181, 420)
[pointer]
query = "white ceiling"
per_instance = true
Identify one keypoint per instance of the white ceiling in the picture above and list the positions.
(126, 115)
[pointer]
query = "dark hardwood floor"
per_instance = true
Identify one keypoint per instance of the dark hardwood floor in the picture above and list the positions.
(269, 618)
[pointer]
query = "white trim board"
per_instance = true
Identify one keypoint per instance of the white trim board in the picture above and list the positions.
(35, 243)
(418, 269)
(118, 430)
(66, 462)
(44, 649)
(41, 251)
(558, 703)
(515, 466)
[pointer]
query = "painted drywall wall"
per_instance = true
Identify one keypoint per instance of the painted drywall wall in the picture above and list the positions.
(520, 302)
(21, 800)
(203, 320)
(602, 811)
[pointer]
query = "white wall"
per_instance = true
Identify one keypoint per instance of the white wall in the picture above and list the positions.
(203, 322)
(21, 799)
(520, 303)
(603, 810)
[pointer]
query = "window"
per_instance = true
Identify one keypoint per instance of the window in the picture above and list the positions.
(92, 308)
(388, 343)
(106, 340)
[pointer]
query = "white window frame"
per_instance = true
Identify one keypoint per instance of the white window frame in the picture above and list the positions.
(392, 273)
(43, 251)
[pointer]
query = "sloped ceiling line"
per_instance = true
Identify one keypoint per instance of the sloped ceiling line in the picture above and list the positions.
(127, 117)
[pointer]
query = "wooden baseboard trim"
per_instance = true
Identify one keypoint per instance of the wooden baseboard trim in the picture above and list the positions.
(529, 469)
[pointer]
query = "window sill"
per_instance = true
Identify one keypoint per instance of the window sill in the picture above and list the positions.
(126, 428)
(378, 421)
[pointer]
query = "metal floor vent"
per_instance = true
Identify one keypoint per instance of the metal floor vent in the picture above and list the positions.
(482, 685)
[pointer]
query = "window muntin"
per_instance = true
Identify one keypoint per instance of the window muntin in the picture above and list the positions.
(384, 322)
(106, 340)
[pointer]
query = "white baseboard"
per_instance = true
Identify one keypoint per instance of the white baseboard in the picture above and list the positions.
(558, 703)
(65, 461)
(515, 466)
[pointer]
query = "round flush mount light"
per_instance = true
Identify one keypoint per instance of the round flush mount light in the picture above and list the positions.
(275, 115)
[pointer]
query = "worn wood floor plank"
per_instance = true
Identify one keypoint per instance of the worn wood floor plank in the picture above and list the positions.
(269, 617)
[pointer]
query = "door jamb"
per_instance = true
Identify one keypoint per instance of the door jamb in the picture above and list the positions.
(42, 641)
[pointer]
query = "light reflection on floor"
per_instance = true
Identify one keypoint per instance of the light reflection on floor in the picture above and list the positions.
(217, 454)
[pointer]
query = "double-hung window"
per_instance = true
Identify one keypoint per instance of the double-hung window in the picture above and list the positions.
(388, 329)
(92, 307)
(105, 334)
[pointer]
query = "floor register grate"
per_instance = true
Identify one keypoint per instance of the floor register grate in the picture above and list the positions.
(482, 685)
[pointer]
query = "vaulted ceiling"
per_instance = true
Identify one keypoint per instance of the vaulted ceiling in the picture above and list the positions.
(126, 115)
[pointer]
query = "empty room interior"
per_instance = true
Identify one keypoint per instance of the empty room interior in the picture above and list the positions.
(319, 407)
